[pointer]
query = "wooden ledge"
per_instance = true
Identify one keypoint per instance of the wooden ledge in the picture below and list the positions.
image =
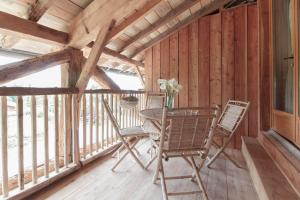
(268, 180)
(285, 155)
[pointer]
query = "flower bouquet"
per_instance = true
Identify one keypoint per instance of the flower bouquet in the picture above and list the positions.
(171, 87)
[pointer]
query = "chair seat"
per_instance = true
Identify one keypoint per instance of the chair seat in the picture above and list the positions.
(133, 132)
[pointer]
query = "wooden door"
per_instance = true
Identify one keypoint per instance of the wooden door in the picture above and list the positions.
(284, 79)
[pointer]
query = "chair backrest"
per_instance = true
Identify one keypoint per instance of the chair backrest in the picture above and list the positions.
(155, 100)
(232, 115)
(189, 128)
(111, 116)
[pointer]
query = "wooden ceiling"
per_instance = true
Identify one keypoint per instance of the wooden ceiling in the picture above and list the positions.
(139, 25)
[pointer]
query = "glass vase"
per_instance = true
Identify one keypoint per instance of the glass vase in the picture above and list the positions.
(170, 101)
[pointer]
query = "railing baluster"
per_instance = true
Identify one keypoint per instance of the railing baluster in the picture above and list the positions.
(107, 125)
(67, 130)
(46, 137)
(20, 142)
(119, 110)
(84, 124)
(102, 122)
(111, 125)
(56, 139)
(116, 114)
(4, 146)
(91, 124)
(76, 120)
(33, 139)
(97, 122)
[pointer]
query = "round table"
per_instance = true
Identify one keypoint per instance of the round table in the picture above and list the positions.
(152, 114)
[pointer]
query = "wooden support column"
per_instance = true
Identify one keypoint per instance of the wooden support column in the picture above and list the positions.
(70, 73)
(265, 66)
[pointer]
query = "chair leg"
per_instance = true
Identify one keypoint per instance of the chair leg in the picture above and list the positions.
(150, 161)
(197, 174)
(163, 182)
(221, 150)
(129, 150)
(228, 156)
(156, 173)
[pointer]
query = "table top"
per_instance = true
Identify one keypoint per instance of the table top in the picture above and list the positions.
(153, 114)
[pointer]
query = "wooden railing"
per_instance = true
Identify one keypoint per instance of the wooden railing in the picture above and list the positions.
(50, 134)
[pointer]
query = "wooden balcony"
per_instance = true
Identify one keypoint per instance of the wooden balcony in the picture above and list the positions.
(96, 181)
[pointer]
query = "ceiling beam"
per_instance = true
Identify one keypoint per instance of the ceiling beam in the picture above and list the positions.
(87, 23)
(93, 58)
(121, 57)
(139, 74)
(214, 5)
(167, 18)
(119, 29)
(23, 68)
(22, 28)
(105, 81)
(38, 9)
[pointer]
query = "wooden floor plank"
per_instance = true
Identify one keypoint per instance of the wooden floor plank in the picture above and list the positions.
(97, 181)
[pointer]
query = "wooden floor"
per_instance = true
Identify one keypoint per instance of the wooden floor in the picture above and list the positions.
(129, 182)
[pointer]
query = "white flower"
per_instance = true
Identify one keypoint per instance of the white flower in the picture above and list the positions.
(170, 86)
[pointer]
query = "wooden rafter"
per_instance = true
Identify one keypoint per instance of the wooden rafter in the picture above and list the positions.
(23, 68)
(22, 28)
(214, 5)
(105, 81)
(139, 74)
(86, 24)
(119, 56)
(168, 17)
(38, 9)
(93, 58)
(119, 29)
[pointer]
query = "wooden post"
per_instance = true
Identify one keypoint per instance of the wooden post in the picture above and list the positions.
(84, 124)
(20, 143)
(33, 139)
(97, 122)
(4, 146)
(76, 152)
(46, 139)
(91, 124)
(70, 73)
(56, 136)
(102, 122)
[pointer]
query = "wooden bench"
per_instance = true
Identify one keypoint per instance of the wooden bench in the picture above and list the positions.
(268, 180)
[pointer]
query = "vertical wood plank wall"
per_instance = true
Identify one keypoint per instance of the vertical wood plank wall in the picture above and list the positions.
(215, 58)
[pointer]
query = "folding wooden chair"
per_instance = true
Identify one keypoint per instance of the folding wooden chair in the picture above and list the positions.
(185, 133)
(155, 100)
(230, 119)
(126, 135)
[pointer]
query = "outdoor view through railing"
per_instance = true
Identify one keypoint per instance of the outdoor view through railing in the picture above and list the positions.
(41, 136)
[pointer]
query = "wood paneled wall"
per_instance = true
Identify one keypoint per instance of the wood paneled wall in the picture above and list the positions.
(215, 58)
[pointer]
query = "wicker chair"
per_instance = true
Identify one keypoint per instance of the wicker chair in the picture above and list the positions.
(230, 119)
(186, 133)
(154, 100)
(126, 135)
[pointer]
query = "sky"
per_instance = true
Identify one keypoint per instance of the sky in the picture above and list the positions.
(51, 78)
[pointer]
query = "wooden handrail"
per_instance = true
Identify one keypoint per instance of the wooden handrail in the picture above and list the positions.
(26, 91)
